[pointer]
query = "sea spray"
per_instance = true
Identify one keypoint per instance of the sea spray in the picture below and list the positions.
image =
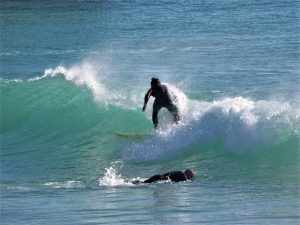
(113, 177)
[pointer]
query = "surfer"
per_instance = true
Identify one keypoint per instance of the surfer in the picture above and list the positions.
(173, 176)
(162, 99)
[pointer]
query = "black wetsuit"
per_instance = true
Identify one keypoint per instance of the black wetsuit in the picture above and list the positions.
(174, 176)
(162, 99)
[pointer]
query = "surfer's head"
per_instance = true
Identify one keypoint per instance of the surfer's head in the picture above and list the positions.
(155, 81)
(189, 173)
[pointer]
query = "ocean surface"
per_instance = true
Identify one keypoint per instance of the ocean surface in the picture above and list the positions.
(75, 72)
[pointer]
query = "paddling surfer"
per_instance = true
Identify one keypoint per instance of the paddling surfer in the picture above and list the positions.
(173, 176)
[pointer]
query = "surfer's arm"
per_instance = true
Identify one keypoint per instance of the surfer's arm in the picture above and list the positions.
(175, 176)
(147, 96)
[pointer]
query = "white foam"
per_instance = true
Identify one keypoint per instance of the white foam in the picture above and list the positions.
(112, 176)
(65, 184)
(21, 189)
(243, 125)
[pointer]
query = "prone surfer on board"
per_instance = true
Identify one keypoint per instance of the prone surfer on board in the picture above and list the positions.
(173, 176)
(162, 99)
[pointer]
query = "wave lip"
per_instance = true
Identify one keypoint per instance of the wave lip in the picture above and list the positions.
(84, 74)
(94, 78)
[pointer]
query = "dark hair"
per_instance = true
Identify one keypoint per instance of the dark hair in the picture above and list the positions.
(155, 81)
(189, 173)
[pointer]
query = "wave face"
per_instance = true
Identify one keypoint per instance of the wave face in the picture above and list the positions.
(73, 114)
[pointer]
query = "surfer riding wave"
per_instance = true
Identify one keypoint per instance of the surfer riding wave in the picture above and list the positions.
(162, 99)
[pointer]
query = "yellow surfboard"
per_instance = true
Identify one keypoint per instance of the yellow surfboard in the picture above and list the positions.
(127, 135)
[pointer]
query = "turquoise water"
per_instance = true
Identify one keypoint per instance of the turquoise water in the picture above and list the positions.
(75, 72)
